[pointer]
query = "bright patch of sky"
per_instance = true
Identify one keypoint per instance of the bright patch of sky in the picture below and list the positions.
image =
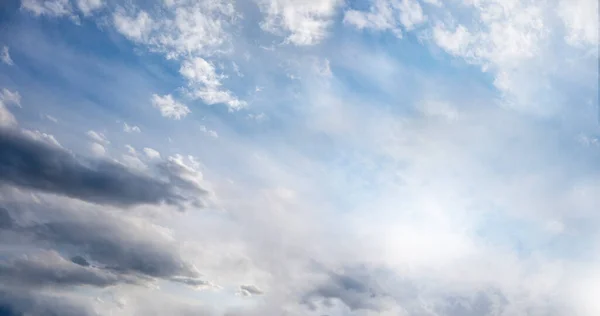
(287, 157)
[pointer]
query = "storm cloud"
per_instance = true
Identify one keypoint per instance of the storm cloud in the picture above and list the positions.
(32, 164)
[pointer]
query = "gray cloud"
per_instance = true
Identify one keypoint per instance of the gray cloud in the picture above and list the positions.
(15, 302)
(355, 288)
(249, 290)
(31, 164)
(111, 242)
(49, 268)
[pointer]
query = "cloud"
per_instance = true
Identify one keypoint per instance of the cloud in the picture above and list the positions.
(98, 137)
(388, 15)
(209, 132)
(48, 268)
(7, 97)
(42, 137)
(136, 28)
(168, 107)
(87, 7)
(131, 128)
(14, 301)
(97, 149)
(249, 290)
(5, 56)
(580, 17)
(301, 22)
(32, 164)
(10, 97)
(151, 153)
(52, 8)
(205, 84)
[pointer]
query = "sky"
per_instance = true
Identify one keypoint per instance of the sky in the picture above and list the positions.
(299, 157)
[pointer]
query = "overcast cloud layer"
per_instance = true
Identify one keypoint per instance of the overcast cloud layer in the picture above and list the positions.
(314, 157)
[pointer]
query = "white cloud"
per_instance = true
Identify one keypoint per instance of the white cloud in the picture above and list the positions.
(151, 153)
(43, 137)
(168, 107)
(301, 22)
(98, 137)
(131, 128)
(10, 98)
(89, 6)
(97, 149)
(7, 119)
(51, 118)
(137, 27)
(130, 149)
(384, 15)
(53, 8)
(580, 18)
(5, 56)
(205, 84)
(209, 132)
(7, 97)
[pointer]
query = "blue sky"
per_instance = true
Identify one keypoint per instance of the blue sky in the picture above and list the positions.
(299, 157)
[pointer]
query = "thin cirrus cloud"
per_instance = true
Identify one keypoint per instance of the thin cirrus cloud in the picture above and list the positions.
(389, 157)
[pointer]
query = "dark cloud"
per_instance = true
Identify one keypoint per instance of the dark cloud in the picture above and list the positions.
(28, 163)
(114, 243)
(15, 302)
(49, 268)
(355, 288)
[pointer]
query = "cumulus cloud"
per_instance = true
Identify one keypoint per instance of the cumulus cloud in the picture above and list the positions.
(135, 27)
(5, 56)
(168, 107)
(32, 164)
(98, 137)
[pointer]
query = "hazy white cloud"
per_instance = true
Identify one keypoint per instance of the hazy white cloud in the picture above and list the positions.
(384, 15)
(10, 97)
(51, 118)
(151, 153)
(5, 56)
(168, 107)
(131, 128)
(301, 22)
(580, 18)
(136, 27)
(44, 137)
(97, 149)
(89, 6)
(53, 8)
(209, 132)
(98, 137)
(205, 84)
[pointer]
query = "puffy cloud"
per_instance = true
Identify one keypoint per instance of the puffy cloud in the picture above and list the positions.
(5, 56)
(137, 28)
(52, 169)
(301, 22)
(580, 18)
(10, 97)
(168, 107)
